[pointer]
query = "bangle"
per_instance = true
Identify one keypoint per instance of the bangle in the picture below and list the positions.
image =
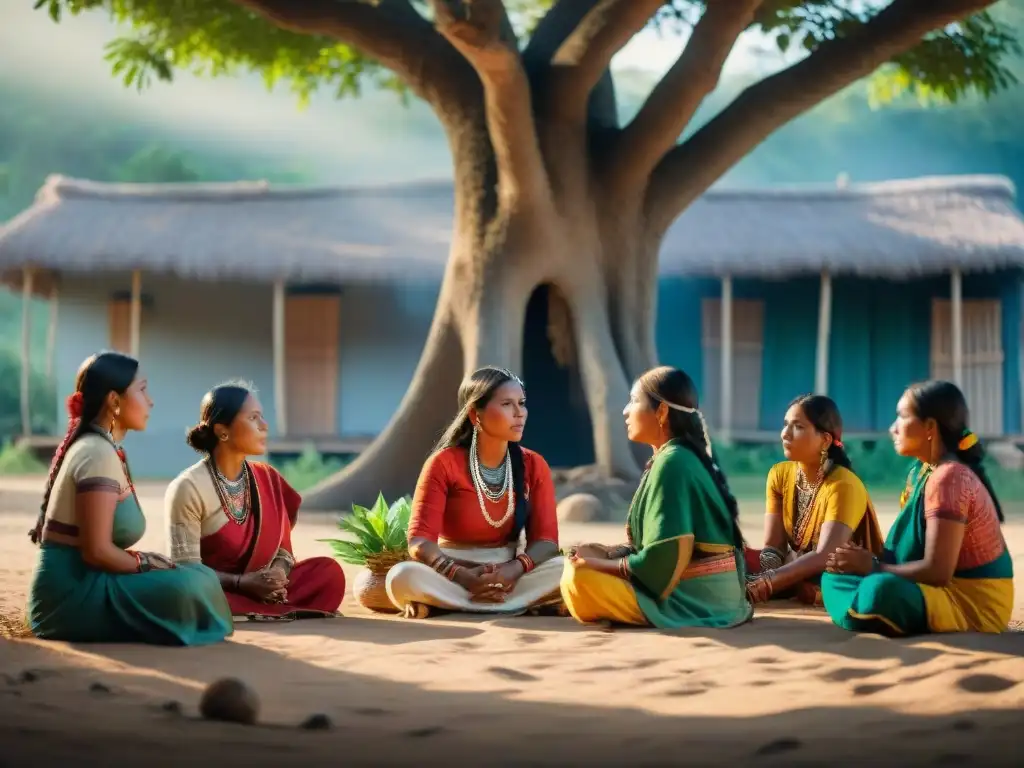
(527, 562)
(138, 560)
(453, 570)
(624, 568)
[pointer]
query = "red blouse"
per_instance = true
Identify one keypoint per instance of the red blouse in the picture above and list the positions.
(445, 505)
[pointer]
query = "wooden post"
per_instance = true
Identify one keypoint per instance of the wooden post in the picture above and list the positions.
(51, 330)
(280, 395)
(726, 323)
(26, 350)
(824, 335)
(135, 315)
(956, 291)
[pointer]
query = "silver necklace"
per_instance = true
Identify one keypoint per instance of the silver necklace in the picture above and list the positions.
(483, 488)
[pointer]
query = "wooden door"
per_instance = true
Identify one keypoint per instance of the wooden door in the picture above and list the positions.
(312, 331)
(747, 354)
(983, 358)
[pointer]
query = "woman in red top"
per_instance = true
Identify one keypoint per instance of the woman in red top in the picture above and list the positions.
(477, 495)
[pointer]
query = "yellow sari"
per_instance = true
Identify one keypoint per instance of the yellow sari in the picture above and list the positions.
(842, 498)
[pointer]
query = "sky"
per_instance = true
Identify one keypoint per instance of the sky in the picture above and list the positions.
(355, 140)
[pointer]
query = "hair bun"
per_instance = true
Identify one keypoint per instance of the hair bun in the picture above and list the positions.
(201, 438)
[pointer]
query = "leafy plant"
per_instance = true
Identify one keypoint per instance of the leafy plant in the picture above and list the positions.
(19, 461)
(310, 468)
(379, 530)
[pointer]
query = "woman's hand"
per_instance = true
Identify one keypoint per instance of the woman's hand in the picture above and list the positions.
(154, 562)
(479, 581)
(850, 559)
(759, 589)
(591, 551)
(262, 585)
(599, 564)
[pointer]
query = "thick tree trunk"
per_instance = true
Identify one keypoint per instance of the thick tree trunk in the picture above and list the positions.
(495, 267)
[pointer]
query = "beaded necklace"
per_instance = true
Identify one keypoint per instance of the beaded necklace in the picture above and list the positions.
(481, 475)
(234, 495)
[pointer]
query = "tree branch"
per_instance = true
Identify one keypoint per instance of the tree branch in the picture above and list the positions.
(478, 30)
(687, 171)
(672, 104)
(550, 34)
(587, 52)
(390, 31)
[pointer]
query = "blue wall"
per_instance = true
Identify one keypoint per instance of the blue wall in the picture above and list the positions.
(196, 334)
(881, 339)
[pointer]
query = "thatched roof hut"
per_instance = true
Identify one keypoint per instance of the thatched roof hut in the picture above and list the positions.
(252, 230)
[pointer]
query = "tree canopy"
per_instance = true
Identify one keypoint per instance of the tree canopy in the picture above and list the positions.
(221, 37)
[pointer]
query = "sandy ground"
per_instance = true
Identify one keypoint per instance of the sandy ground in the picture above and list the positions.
(786, 689)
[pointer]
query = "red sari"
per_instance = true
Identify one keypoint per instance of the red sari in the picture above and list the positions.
(315, 586)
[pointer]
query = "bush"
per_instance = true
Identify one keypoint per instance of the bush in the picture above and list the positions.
(310, 468)
(19, 461)
(42, 399)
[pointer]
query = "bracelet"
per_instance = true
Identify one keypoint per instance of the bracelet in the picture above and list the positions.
(138, 560)
(455, 568)
(527, 562)
(624, 568)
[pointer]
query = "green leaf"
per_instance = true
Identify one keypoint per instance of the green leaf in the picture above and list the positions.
(346, 551)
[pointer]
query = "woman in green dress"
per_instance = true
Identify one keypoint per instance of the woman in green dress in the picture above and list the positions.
(89, 586)
(945, 566)
(683, 563)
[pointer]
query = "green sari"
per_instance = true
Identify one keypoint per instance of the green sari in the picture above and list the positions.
(977, 598)
(687, 570)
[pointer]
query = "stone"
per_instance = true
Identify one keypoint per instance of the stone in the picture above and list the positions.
(580, 508)
(318, 722)
(230, 700)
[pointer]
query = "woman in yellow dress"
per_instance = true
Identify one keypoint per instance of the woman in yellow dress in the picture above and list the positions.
(945, 567)
(814, 504)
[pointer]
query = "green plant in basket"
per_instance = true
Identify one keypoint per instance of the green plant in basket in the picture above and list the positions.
(376, 533)
(377, 540)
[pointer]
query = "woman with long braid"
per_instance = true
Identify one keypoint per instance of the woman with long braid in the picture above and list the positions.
(89, 585)
(683, 563)
(478, 494)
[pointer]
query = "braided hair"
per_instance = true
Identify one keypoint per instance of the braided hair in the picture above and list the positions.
(675, 389)
(475, 392)
(98, 376)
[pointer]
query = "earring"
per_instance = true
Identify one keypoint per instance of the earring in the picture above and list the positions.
(223, 438)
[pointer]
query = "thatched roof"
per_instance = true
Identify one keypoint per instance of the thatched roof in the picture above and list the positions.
(251, 230)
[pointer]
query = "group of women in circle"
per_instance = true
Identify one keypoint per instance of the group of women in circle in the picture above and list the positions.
(483, 536)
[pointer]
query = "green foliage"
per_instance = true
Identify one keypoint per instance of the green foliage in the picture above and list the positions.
(381, 530)
(19, 461)
(42, 398)
(219, 37)
(310, 468)
(40, 136)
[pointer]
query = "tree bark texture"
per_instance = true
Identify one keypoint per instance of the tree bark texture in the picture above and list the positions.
(551, 190)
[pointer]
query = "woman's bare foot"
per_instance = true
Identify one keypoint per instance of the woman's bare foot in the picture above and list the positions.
(417, 611)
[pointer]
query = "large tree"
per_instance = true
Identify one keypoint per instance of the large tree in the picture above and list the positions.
(551, 188)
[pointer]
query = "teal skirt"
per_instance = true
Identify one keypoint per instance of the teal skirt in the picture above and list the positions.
(72, 601)
(882, 603)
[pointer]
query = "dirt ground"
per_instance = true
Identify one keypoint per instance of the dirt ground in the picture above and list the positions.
(786, 689)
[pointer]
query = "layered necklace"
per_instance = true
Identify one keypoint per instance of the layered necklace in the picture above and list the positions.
(492, 483)
(806, 493)
(234, 495)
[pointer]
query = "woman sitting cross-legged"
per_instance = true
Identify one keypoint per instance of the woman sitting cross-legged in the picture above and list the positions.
(815, 503)
(476, 495)
(236, 516)
(683, 565)
(945, 567)
(89, 586)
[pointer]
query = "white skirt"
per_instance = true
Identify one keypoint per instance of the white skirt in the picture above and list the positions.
(413, 582)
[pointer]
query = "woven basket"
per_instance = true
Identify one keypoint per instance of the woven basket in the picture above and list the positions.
(369, 589)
